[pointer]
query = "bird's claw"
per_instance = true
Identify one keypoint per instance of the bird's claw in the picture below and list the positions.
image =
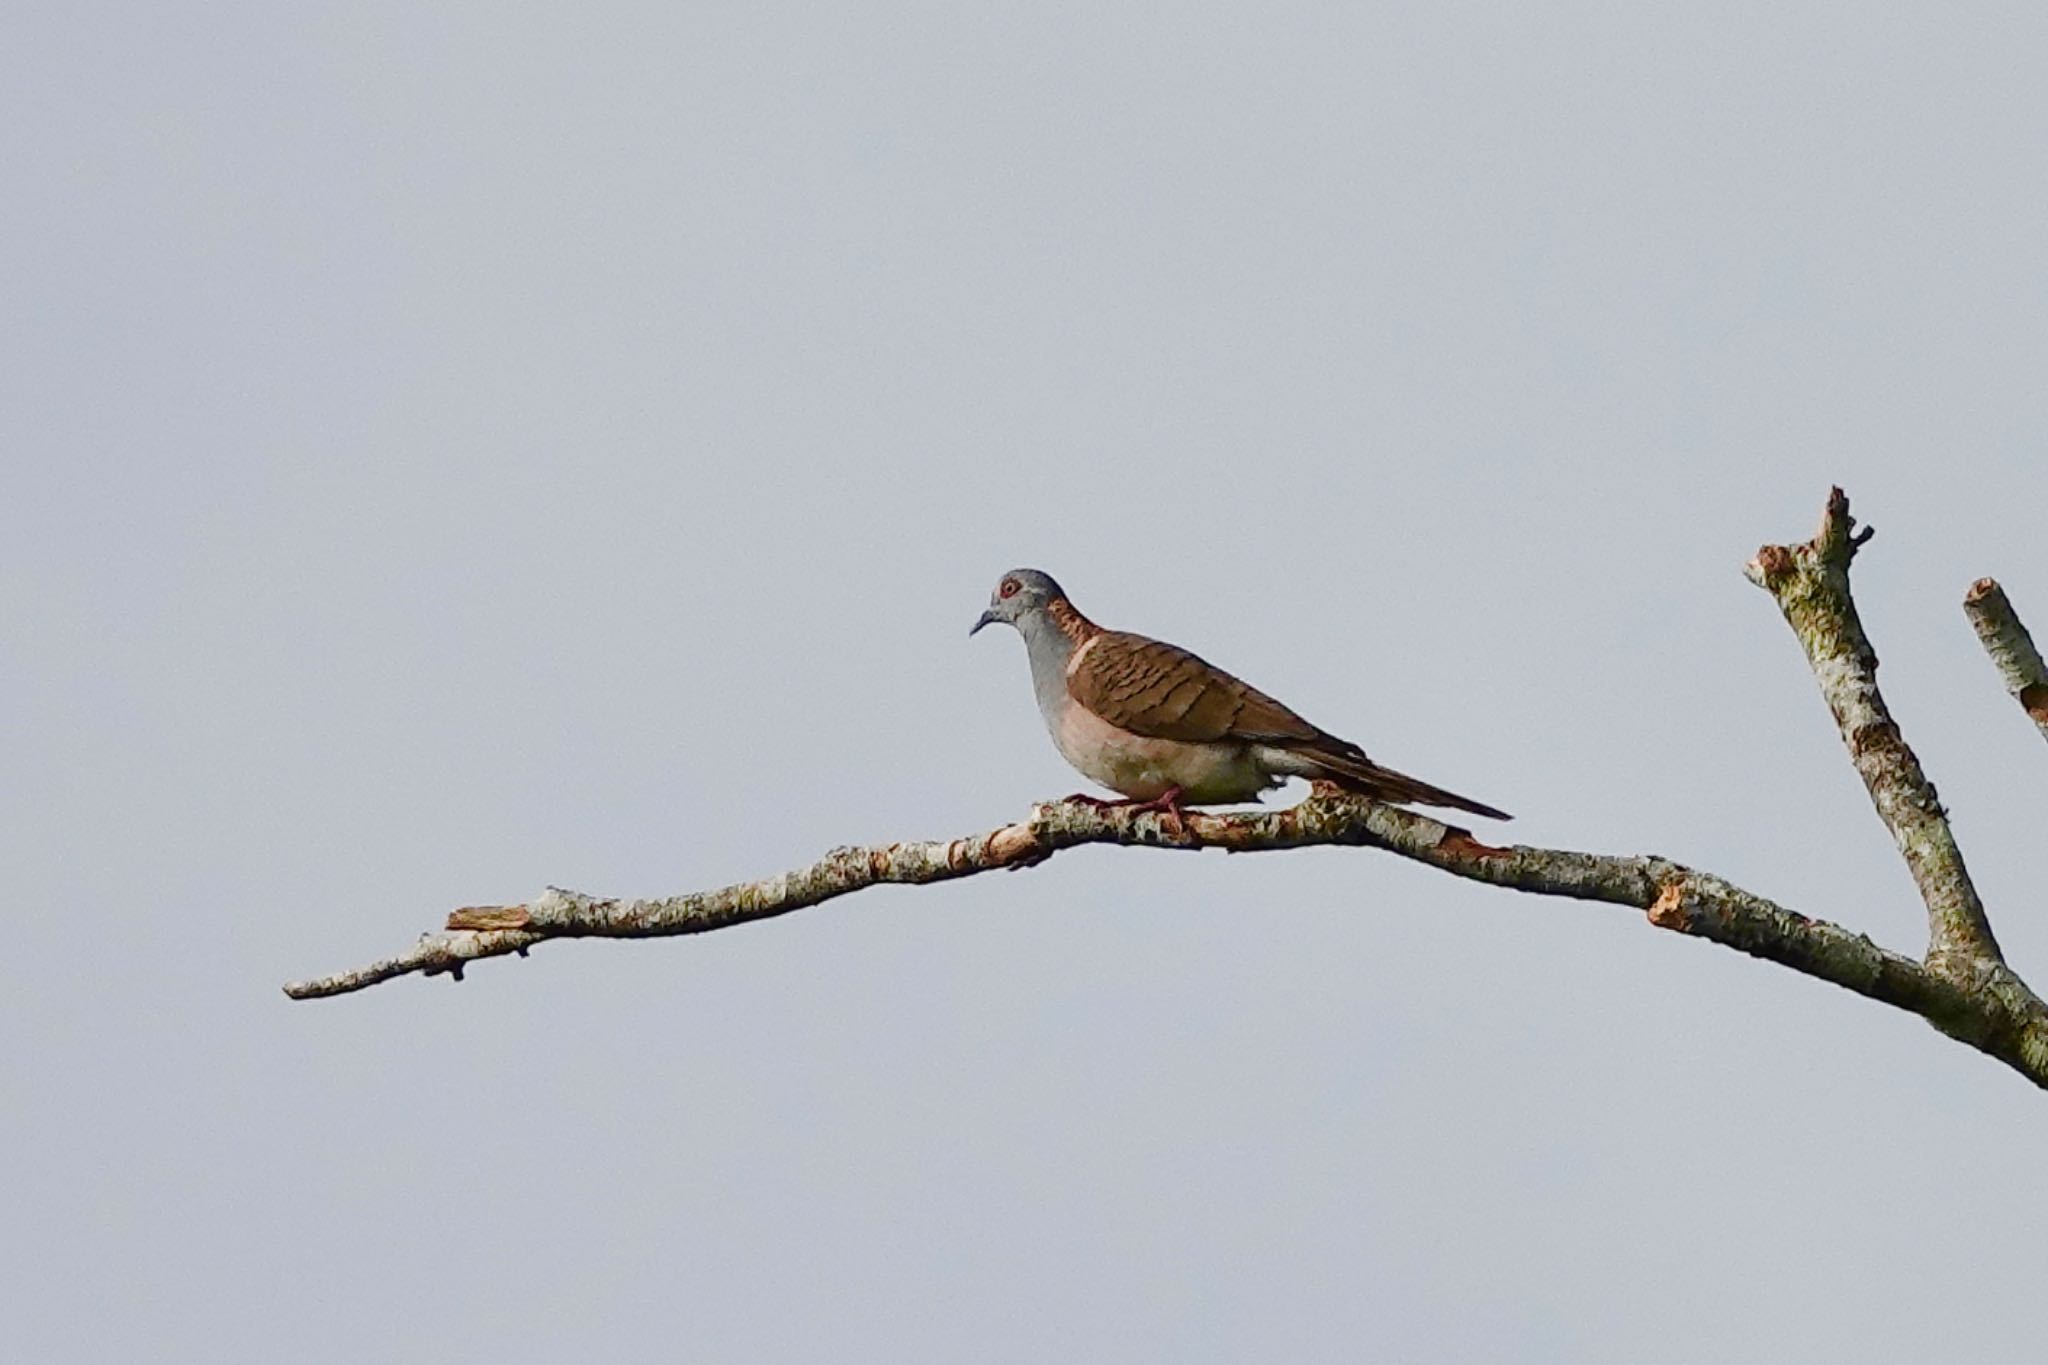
(1166, 804)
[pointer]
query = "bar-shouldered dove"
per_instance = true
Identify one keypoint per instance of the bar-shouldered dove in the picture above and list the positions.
(1165, 728)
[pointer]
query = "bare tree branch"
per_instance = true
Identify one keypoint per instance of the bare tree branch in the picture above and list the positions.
(1811, 585)
(1963, 988)
(1674, 897)
(2010, 647)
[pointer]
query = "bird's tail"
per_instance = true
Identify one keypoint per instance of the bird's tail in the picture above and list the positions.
(1353, 771)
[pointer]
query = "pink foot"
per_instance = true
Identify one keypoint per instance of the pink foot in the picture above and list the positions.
(1167, 803)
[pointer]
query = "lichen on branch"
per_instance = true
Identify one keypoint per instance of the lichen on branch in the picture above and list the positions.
(1810, 583)
(2010, 647)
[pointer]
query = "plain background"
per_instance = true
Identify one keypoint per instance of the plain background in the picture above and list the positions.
(453, 450)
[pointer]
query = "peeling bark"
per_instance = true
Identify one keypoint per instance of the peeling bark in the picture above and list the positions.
(1963, 986)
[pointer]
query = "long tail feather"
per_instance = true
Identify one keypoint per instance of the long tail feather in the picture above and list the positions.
(1360, 774)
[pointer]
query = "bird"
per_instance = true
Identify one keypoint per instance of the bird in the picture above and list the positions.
(1165, 728)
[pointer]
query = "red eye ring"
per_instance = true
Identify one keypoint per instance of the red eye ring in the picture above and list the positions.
(1008, 589)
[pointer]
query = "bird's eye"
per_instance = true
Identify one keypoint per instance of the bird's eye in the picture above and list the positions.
(1009, 588)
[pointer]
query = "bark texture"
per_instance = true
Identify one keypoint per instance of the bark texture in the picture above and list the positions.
(2010, 647)
(1961, 985)
(1811, 585)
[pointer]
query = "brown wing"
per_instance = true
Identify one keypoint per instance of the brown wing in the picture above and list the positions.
(1163, 692)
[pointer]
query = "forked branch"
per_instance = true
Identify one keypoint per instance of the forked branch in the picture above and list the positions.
(1962, 986)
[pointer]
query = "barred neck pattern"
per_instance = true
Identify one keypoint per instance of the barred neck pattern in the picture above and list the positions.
(1071, 623)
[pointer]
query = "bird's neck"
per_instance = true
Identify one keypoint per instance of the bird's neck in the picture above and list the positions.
(1050, 638)
(1078, 629)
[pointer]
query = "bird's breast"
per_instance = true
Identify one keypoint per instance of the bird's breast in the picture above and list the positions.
(1142, 767)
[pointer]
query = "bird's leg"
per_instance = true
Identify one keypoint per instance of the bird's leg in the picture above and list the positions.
(1167, 803)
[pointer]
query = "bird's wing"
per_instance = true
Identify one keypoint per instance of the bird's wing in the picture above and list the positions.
(1162, 691)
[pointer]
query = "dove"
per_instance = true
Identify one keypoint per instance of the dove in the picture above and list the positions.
(1164, 728)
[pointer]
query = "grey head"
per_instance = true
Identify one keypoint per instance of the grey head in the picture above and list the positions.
(1020, 600)
(1029, 600)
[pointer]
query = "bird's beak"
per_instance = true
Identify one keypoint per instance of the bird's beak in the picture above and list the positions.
(986, 617)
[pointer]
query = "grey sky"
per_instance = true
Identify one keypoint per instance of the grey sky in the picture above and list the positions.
(453, 452)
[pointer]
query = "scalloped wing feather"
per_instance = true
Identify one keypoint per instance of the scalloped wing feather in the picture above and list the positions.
(1162, 691)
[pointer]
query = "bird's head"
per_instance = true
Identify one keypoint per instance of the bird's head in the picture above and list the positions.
(1019, 594)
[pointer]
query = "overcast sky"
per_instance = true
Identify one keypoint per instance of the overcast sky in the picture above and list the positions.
(455, 450)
